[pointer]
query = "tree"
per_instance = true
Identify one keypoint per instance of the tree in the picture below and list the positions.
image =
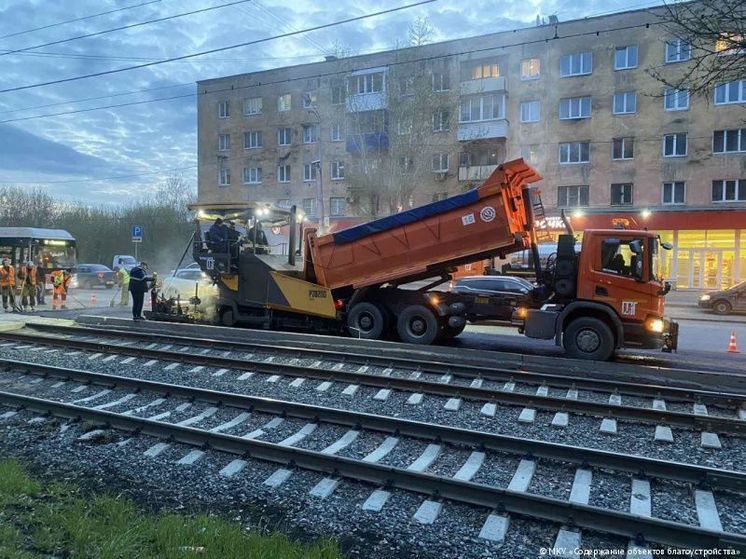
(714, 33)
(420, 32)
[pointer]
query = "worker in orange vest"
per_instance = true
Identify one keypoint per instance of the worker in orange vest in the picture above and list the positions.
(8, 284)
(27, 277)
(60, 283)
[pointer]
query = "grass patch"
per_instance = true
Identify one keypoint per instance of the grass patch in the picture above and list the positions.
(57, 520)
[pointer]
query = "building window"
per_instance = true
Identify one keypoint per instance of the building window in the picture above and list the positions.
(252, 139)
(729, 141)
(731, 92)
(283, 203)
(338, 94)
(729, 43)
(441, 120)
(480, 70)
(309, 172)
(440, 162)
(530, 111)
(284, 136)
(309, 99)
(625, 58)
(574, 152)
(252, 106)
(406, 164)
(309, 206)
(623, 148)
(483, 107)
(530, 69)
(336, 132)
(729, 191)
(224, 176)
(310, 133)
(367, 83)
(338, 170)
(283, 173)
(252, 175)
(406, 86)
(674, 145)
(572, 196)
(441, 81)
(223, 109)
(224, 142)
(678, 50)
(337, 206)
(575, 107)
(283, 102)
(578, 64)
(625, 103)
(621, 194)
(673, 193)
(676, 99)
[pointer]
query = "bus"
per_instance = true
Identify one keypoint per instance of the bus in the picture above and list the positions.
(50, 249)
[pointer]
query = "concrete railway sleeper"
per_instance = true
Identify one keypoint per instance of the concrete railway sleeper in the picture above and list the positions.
(663, 389)
(655, 415)
(634, 525)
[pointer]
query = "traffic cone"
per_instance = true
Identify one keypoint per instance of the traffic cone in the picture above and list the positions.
(732, 348)
(93, 300)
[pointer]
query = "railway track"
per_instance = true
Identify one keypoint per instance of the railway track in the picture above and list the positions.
(244, 426)
(652, 404)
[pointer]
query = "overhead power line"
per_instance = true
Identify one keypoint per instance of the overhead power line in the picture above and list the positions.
(34, 29)
(121, 28)
(220, 49)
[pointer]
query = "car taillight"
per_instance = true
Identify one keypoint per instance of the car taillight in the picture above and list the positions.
(339, 304)
(100, 275)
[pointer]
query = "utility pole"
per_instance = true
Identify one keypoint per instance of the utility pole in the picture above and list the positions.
(319, 164)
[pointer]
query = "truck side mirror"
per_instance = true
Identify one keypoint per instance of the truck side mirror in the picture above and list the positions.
(667, 246)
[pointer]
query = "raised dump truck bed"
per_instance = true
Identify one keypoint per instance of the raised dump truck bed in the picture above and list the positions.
(492, 219)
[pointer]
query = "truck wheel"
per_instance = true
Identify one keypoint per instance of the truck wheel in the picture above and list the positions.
(366, 321)
(417, 325)
(588, 338)
(449, 332)
(227, 318)
(721, 307)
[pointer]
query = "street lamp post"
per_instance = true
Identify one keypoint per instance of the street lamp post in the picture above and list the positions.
(319, 164)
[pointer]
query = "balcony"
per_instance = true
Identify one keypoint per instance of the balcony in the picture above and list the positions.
(484, 85)
(482, 130)
(367, 142)
(361, 102)
(475, 172)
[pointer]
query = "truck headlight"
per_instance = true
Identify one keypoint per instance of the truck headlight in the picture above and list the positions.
(704, 298)
(655, 325)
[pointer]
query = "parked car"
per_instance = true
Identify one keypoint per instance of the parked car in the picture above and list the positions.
(492, 297)
(182, 284)
(725, 301)
(88, 276)
(123, 261)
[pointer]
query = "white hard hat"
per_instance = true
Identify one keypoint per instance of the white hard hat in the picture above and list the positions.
(30, 263)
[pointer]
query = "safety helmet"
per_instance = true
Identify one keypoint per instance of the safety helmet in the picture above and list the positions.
(6, 261)
(30, 264)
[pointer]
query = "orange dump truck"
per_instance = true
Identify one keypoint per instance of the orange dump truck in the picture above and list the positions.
(607, 296)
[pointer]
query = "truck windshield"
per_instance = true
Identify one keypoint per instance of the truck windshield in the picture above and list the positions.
(656, 264)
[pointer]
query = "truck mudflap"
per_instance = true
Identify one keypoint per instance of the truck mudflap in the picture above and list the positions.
(670, 336)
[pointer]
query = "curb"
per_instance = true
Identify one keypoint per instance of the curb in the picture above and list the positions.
(706, 319)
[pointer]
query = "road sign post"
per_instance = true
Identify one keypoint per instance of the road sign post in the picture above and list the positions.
(137, 231)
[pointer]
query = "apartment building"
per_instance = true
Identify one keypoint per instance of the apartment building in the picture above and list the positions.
(353, 138)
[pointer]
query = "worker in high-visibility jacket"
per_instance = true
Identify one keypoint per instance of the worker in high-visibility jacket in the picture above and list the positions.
(60, 284)
(27, 277)
(7, 285)
(123, 276)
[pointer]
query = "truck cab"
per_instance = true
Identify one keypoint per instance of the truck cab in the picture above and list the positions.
(608, 296)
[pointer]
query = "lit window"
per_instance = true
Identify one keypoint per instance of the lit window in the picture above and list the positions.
(574, 152)
(309, 172)
(481, 70)
(729, 191)
(530, 111)
(252, 139)
(578, 64)
(729, 141)
(252, 106)
(678, 50)
(440, 162)
(337, 206)
(625, 103)
(283, 173)
(252, 175)
(731, 92)
(676, 99)
(284, 136)
(575, 107)
(621, 194)
(283, 102)
(625, 58)
(224, 142)
(338, 170)
(673, 193)
(441, 120)
(223, 109)
(623, 148)
(572, 196)
(530, 69)
(674, 145)
(730, 43)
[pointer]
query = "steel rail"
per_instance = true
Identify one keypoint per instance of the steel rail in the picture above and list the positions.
(544, 403)
(535, 506)
(492, 373)
(677, 471)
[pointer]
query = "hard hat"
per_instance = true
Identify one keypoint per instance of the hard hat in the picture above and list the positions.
(6, 261)
(30, 264)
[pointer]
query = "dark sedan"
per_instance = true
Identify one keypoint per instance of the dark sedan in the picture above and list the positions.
(87, 276)
(725, 301)
(492, 297)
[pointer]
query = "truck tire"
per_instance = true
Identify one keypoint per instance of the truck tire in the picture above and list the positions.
(588, 338)
(721, 307)
(366, 321)
(417, 325)
(227, 317)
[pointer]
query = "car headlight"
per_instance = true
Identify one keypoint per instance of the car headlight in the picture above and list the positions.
(704, 298)
(655, 325)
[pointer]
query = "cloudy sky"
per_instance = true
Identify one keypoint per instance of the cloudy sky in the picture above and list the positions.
(110, 155)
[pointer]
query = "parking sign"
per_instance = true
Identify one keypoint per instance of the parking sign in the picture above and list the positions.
(137, 233)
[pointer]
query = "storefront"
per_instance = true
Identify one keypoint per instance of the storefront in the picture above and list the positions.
(709, 246)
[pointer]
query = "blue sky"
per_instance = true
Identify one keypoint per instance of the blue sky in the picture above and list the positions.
(114, 155)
